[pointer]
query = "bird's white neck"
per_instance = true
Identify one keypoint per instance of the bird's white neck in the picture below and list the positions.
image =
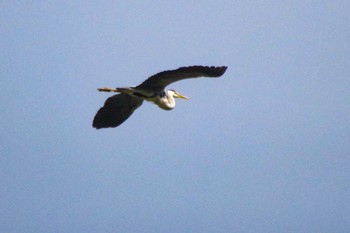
(167, 101)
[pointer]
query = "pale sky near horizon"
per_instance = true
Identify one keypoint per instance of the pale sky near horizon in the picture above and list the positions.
(265, 148)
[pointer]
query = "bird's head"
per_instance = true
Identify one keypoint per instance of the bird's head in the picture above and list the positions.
(176, 94)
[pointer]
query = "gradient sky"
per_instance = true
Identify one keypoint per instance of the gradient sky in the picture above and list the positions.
(265, 148)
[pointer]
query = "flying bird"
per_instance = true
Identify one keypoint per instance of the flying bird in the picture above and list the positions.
(118, 108)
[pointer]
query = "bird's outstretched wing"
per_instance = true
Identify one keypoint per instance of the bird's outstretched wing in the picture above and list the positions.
(159, 81)
(116, 110)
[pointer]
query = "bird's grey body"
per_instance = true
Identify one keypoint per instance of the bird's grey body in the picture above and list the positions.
(120, 107)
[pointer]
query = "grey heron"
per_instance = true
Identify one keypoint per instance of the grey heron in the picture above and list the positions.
(118, 108)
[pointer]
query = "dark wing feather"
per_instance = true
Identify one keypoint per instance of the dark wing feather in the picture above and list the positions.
(159, 81)
(116, 110)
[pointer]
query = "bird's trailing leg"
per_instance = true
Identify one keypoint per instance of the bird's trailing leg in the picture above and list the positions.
(107, 89)
(125, 90)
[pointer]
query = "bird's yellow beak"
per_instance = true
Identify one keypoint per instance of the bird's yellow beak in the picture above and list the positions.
(178, 95)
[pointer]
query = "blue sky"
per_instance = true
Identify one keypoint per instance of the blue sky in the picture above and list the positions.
(265, 148)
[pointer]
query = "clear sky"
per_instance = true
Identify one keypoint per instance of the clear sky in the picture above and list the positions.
(265, 148)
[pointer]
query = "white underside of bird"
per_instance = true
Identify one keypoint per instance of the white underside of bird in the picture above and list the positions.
(164, 100)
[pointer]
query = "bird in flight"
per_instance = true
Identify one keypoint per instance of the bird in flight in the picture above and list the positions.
(118, 108)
